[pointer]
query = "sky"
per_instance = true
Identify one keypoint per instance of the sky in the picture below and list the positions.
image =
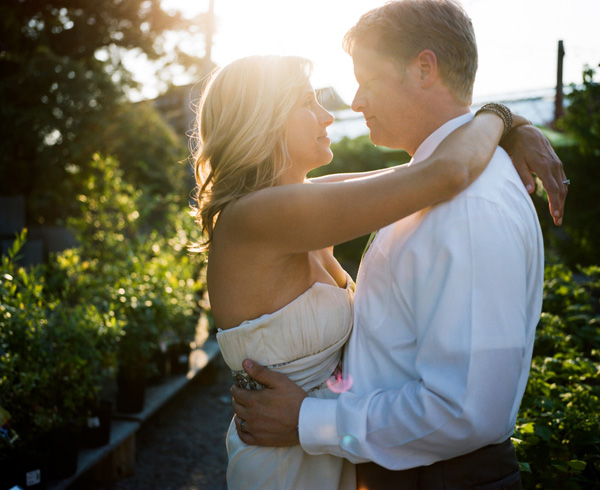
(517, 39)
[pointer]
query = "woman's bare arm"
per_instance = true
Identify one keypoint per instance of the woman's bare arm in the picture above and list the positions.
(531, 154)
(298, 218)
(343, 177)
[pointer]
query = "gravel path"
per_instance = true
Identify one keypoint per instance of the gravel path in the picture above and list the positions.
(182, 447)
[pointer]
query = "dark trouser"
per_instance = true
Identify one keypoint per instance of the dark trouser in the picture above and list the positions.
(489, 468)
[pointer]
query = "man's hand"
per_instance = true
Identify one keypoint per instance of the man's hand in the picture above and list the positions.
(531, 152)
(270, 415)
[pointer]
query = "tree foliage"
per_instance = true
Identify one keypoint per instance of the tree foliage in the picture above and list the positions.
(582, 118)
(579, 240)
(63, 82)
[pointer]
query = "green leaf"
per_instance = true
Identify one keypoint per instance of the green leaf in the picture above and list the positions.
(524, 467)
(543, 432)
(527, 428)
(577, 465)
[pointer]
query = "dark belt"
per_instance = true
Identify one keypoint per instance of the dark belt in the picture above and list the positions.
(493, 467)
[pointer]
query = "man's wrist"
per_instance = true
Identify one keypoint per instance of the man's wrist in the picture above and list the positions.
(317, 425)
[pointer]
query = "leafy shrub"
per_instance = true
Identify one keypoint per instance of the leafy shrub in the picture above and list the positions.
(128, 269)
(66, 325)
(52, 355)
(558, 430)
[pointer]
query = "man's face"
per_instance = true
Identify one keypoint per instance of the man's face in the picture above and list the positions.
(388, 96)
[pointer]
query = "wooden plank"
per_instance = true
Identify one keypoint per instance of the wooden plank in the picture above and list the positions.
(120, 463)
(120, 431)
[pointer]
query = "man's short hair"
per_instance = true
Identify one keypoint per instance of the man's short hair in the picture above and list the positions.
(404, 28)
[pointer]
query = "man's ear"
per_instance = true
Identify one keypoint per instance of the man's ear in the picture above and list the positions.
(428, 66)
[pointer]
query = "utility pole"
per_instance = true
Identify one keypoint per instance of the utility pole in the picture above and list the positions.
(558, 101)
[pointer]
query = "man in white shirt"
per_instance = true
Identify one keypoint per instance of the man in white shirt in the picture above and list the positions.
(447, 300)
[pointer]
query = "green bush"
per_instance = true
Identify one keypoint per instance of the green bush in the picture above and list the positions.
(52, 355)
(578, 240)
(557, 437)
(69, 324)
(128, 269)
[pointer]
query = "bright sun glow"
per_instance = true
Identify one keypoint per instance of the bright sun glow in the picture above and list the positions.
(517, 39)
(304, 28)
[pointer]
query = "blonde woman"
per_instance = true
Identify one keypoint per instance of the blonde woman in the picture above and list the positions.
(277, 294)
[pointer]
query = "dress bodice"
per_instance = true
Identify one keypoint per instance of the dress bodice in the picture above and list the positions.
(302, 340)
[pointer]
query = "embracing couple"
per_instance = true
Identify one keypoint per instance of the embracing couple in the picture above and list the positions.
(412, 380)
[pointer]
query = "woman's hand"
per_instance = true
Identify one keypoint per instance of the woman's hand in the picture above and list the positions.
(531, 152)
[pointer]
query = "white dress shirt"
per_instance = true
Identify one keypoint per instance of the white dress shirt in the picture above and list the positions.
(446, 306)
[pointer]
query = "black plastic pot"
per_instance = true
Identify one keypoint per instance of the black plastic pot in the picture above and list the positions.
(63, 444)
(32, 472)
(131, 392)
(160, 362)
(179, 357)
(9, 473)
(96, 431)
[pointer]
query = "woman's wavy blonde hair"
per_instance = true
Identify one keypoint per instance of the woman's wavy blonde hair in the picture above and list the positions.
(240, 131)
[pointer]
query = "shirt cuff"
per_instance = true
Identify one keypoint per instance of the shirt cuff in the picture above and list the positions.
(317, 426)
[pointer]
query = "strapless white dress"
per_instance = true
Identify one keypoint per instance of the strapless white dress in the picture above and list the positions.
(304, 341)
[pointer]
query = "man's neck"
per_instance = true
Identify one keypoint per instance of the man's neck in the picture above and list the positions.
(434, 119)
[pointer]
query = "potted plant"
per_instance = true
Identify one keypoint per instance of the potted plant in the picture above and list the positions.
(159, 362)
(182, 293)
(22, 376)
(80, 344)
(182, 332)
(53, 356)
(135, 349)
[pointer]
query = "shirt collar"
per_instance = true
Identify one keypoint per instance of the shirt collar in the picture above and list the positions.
(434, 139)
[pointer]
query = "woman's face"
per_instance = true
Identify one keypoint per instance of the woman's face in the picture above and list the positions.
(307, 141)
